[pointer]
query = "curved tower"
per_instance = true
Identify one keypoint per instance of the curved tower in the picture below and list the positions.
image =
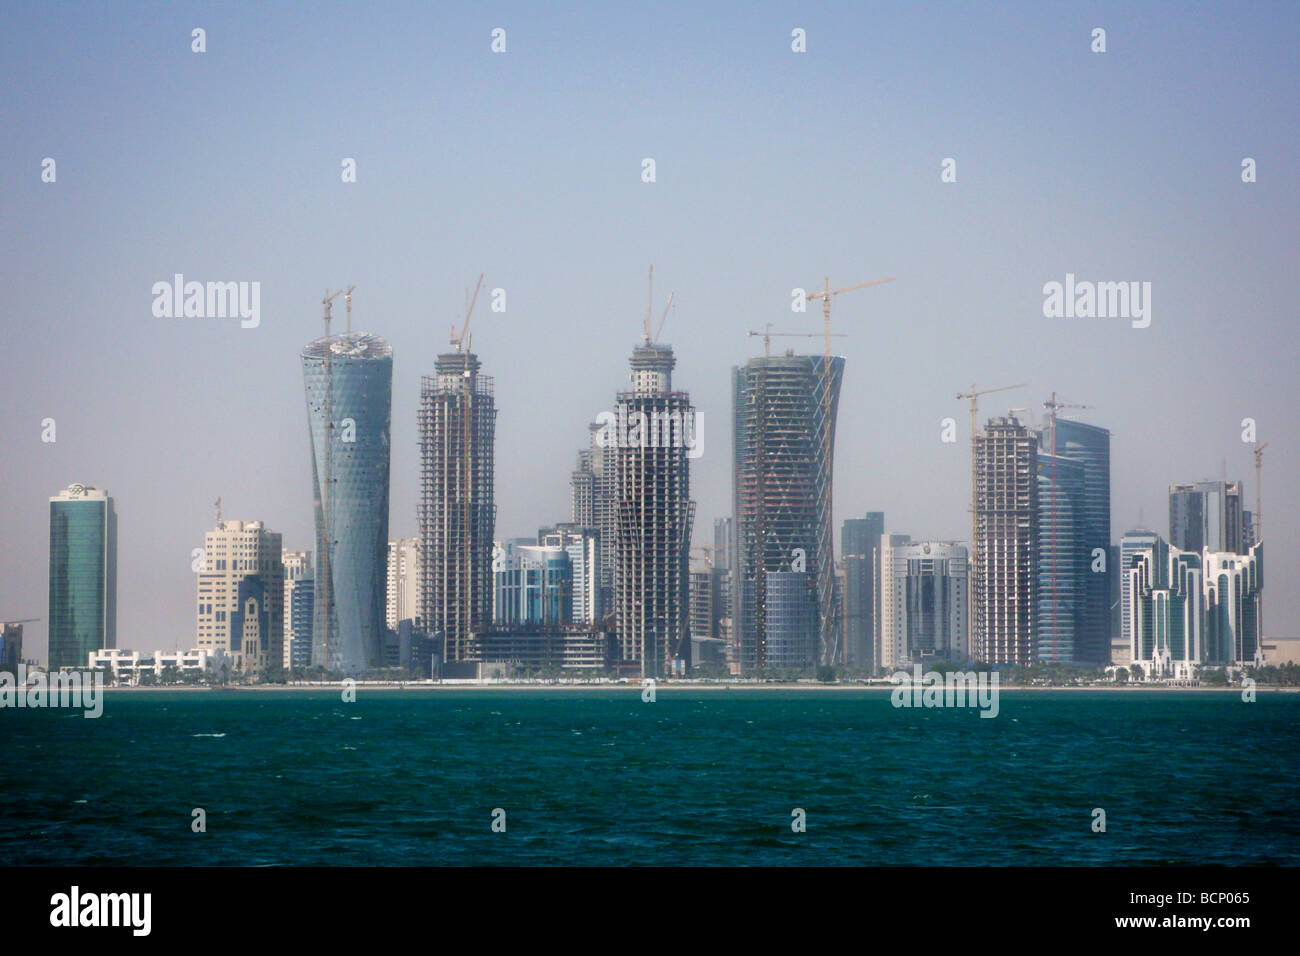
(349, 386)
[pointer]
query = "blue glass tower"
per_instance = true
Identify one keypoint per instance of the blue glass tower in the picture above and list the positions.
(83, 575)
(349, 385)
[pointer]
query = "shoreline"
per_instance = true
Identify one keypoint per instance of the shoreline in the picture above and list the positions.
(674, 686)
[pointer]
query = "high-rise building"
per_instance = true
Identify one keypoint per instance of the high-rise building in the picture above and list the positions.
(1062, 560)
(1089, 445)
(457, 509)
(297, 573)
(1131, 544)
(532, 585)
(11, 646)
(1006, 531)
(349, 385)
(1207, 515)
(859, 539)
(83, 575)
(404, 602)
(784, 411)
(241, 595)
(923, 601)
(652, 432)
(299, 614)
(582, 543)
(1187, 608)
(593, 505)
(790, 622)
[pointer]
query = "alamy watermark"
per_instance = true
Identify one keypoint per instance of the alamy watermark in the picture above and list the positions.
(954, 689)
(179, 299)
(73, 689)
(658, 429)
(1098, 300)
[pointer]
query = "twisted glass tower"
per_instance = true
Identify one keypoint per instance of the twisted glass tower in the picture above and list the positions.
(349, 385)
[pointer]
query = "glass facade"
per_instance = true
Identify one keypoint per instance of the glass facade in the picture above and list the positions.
(83, 576)
(1063, 559)
(349, 385)
(791, 619)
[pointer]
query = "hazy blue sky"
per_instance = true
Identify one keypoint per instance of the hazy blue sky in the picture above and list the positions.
(774, 169)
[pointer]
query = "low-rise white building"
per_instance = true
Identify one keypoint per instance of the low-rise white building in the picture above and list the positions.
(134, 663)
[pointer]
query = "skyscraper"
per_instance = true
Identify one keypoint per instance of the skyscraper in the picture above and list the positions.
(1062, 559)
(403, 601)
(1090, 446)
(593, 505)
(651, 432)
(783, 412)
(83, 575)
(241, 595)
(859, 539)
(923, 601)
(457, 510)
(1131, 544)
(297, 632)
(349, 386)
(1006, 529)
(1207, 515)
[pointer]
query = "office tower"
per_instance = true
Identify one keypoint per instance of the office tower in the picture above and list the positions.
(349, 385)
(1006, 530)
(1187, 608)
(1186, 517)
(724, 562)
(297, 570)
(701, 603)
(404, 602)
(457, 510)
(532, 585)
(923, 601)
(299, 614)
(654, 427)
(859, 539)
(784, 430)
(593, 503)
(241, 595)
(1249, 536)
(1062, 560)
(11, 646)
(1131, 544)
(1207, 515)
(1090, 446)
(1163, 597)
(582, 543)
(83, 575)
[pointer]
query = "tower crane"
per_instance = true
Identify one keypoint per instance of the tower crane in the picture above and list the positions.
(828, 532)
(347, 297)
(649, 299)
(768, 335)
(461, 339)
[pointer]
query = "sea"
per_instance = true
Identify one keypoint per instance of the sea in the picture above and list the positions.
(600, 777)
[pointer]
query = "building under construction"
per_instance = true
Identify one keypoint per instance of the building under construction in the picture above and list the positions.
(349, 387)
(653, 429)
(784, 410)
(457, 510)
(1006, 535)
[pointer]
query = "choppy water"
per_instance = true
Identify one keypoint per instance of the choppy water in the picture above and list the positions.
(697, 777)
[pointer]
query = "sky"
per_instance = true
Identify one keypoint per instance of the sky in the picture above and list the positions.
(773, 169)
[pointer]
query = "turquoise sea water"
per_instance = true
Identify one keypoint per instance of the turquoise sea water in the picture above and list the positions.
(697, 777)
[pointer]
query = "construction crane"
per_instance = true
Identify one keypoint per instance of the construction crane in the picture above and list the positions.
(649, 300)
(1053, 406)
(461, 339)
(768, 335)
(974, 396)
(828, 532)
(347, 297)
(25, 620)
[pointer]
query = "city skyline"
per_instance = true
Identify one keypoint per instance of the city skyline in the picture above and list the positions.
(971, 257)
